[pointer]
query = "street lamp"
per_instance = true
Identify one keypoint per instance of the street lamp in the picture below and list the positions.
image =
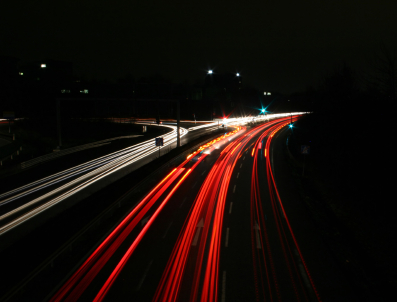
(209, 71)
(237, 74)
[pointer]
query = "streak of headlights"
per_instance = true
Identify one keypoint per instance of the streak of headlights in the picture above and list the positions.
(107, 166)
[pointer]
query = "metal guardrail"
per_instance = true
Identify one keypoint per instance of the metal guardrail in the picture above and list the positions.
(144, 185)
(55, 154)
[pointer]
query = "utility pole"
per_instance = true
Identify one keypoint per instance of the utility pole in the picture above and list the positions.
(178, 120)
(59, 123)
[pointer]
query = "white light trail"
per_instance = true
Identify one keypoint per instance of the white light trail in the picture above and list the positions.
(92, 171)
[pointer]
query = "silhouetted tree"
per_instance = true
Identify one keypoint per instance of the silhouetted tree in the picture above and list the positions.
(383, 76)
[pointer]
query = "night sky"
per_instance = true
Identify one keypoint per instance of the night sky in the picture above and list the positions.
(276, 45)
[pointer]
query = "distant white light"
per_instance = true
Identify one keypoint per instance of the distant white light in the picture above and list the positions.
(65, 91)
(21, 73)
(84, 91)
(264, 93)
(269, 93)
(209, 71)
(43, 65)
(237, 74)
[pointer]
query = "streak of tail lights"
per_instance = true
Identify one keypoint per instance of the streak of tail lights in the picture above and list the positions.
(272, 185)
(105, 288)
(267, 283)
(209, 205)
(81, 279)
(215, 141)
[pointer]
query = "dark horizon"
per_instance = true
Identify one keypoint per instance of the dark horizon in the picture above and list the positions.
(284, 47)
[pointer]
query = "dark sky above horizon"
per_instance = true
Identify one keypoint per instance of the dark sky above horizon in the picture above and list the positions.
(283, 45)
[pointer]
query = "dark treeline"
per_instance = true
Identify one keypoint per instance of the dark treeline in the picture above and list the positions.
(351, 134)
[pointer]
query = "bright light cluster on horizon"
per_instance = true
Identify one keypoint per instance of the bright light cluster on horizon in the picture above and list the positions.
(211, 143)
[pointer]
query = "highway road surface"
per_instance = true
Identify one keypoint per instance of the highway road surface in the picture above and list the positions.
(21, 204)
(213, 229)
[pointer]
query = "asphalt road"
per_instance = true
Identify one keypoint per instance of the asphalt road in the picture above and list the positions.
(227, 226)
(30, 195)
(215, 232)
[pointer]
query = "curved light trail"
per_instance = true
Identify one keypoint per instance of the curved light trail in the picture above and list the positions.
(209, 206)
(80, 280)
(91, 172)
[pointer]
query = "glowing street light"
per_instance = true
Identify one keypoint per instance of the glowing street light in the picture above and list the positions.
(237, 74)
(209, 71)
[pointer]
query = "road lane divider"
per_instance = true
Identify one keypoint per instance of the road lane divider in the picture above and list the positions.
(144, 276)
(166, 231)
(223, 298)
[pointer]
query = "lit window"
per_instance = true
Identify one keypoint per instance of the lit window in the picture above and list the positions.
(264, 93)
(84, 91)
(269, 93)
(21, 73)
(43, 65)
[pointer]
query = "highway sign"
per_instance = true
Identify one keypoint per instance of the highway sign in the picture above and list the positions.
(159, 141)
(305, 149)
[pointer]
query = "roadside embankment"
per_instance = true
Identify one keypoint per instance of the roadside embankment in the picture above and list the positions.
(345, 183)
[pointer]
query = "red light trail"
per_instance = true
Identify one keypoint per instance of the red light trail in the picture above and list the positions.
(192, 270)
(267, 283)
(81, 279)
(209, 206)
